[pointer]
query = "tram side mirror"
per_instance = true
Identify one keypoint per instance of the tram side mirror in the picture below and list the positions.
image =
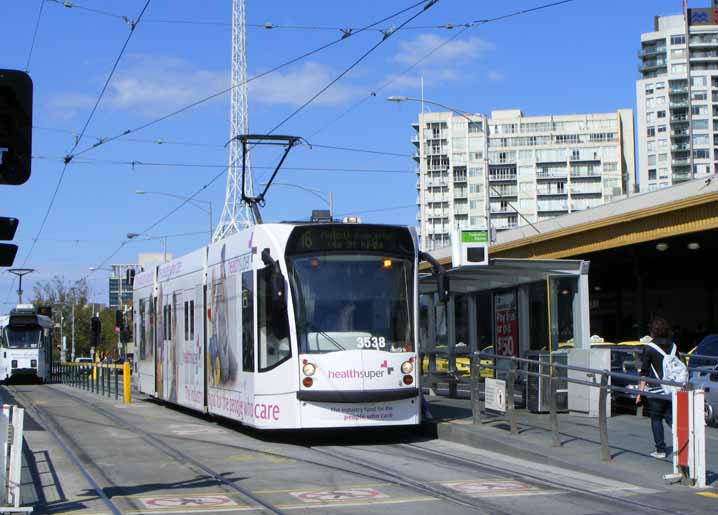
(437, 270)
(276, 282)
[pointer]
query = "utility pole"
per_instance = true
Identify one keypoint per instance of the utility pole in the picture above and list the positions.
(72, 355)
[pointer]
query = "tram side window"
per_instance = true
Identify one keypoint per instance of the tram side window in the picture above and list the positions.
(186, 320)
(247, 322)
(191, 320)
(141, 331)
(272, 323)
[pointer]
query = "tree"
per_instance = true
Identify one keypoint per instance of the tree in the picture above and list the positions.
(62, 295)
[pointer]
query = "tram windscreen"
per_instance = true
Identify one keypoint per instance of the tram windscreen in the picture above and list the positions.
(22, 338)
(352, 301)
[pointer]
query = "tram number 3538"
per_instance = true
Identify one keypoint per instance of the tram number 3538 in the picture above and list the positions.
(371, 342)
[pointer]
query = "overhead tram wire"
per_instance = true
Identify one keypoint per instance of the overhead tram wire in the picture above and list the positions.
(464, 28)
(69, 156)
(191, 197)
(264, 26)
(162, 141)
(253, 78)
(138, 163)
(34, 35)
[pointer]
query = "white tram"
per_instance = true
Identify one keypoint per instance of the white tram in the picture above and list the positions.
(286, 326)
(25, 344)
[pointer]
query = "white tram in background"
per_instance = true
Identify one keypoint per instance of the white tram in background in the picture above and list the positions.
(25, 344)
(286, 326)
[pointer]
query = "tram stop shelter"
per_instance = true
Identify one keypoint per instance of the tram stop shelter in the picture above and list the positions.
(509, 307)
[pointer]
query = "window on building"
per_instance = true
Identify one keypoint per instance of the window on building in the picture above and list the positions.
(678, 68)
(701, 153)
(474, 127)
(661, 128)
(662, 144)
(649, 88)
(678, 39)
(698, 82)
(678, 53)
(575, 155)
(186, 321)
(651, 132)
(699, 110)
(700, 124)
(651, 146)
(610, 167)
(662, 158)
(660, 85)
(700, 139)
(699, 95)
(652, 174)
(661, 114)
(652, 160)
(651, 117)
(474, 188)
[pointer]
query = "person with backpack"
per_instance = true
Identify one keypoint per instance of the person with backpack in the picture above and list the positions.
(660, 362)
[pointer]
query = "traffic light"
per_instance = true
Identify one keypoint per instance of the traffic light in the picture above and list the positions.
(15, 126)
(8, 226)
(119, 319)
(130, 279)
(95, 331)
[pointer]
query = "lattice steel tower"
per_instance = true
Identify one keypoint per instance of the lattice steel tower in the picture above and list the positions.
(236, 216)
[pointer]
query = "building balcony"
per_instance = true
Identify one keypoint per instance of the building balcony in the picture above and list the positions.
(502, 177)
(680, 147)
(579, 192)
(647, 66)
(678, 104)
(551, 193)
(459, 178)
(651, 51)
(553, 208)
(679, 90)
(551, 175)
(498, 210)
(415, 140)
(416, 157)
(679, 118)
(679, 134)
(502, 193)
(680, 162)
(585, 174)
(462, 193)
(703, 43)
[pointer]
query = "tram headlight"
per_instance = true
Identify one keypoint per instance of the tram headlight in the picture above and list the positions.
(407, 367)
(33, 363)
(13, 363)
(308, 369)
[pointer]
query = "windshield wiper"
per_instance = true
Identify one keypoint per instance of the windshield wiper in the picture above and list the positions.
(309, 325)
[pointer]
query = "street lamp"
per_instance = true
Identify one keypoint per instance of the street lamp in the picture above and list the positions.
(326, 196)
(193, 201)
(20, 272)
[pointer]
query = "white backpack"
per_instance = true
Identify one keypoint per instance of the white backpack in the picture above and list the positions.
(673, 369)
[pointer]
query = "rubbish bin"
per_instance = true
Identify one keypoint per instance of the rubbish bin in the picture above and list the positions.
(537, 388)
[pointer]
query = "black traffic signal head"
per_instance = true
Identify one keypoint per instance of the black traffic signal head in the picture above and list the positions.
(95, 331)
(15, 126)
(8, 226)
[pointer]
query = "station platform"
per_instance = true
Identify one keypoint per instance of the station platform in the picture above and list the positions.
(630, 440)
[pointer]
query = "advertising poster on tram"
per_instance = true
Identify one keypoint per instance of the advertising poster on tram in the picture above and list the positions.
(506, 324)
(230, 390)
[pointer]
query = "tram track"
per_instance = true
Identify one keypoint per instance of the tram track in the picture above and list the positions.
(379, 474)
(532, 479)
(363, 467)
(152, 440)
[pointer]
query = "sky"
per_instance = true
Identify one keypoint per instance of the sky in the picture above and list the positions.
(580, 57)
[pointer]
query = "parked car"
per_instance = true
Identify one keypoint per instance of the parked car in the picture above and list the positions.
(83, 360)
(463, 362)
(704, 374)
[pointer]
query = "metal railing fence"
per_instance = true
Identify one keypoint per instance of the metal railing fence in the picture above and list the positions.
(603, 384)
(106, 379)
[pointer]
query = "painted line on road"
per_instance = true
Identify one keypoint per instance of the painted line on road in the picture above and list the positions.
(347, 487)
(712, 495)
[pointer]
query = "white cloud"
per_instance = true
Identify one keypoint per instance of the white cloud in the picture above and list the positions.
(153, 85)
(494, 75)
(436, 59)
(148, 85)
(298, 85)
(443, 52)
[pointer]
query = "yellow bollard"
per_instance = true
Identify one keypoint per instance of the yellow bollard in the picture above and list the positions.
(126, 394)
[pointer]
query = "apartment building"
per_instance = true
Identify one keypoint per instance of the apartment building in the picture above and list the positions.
(509, 169)
(677, 99)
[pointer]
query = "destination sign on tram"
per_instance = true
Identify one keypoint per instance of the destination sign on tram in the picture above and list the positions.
(367, 238)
